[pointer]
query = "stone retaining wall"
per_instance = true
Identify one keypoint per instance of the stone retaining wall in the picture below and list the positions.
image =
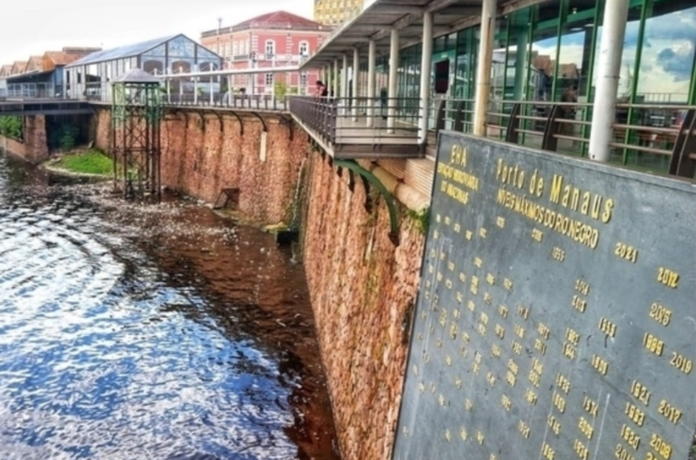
(363, 291)
(200, 158)
(34, 149)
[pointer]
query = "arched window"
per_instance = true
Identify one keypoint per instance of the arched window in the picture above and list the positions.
(270, 48)
(304, 48)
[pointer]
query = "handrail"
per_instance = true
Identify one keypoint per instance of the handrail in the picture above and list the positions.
(662, 130)
(371, 121)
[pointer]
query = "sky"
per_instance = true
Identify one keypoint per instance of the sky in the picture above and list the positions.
(669, 46)
(32, 27)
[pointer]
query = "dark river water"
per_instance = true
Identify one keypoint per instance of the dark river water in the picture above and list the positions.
(150, 332)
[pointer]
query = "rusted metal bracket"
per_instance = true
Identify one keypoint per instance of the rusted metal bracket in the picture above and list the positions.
(220, 120)
(369, 178)
(239, 119)
(263, 122)
(201, 115)
(287, 121)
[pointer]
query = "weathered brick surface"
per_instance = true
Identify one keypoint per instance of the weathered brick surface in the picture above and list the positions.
(200, 159)
(35, 138)
(34, 149)
(363, 291)
(13, 147)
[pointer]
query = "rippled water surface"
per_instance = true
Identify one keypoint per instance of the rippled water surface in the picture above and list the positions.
(159, 332)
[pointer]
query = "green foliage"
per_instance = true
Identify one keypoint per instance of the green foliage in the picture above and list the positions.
(422, 219)
(68, 137)
(90, 162)
(11, 126)
(63, 136)
(280, 89)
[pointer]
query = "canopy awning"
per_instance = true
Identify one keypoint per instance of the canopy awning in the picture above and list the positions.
(381, 16)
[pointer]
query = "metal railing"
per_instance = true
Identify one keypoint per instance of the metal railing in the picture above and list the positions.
(30, 91)
(264, 103)
(658, 137)
(351, 121)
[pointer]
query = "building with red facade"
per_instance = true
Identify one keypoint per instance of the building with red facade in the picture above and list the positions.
(278, 39)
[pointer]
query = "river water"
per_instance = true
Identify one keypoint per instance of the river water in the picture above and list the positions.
(149, 332)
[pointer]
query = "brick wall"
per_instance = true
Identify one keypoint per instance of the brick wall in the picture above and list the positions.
(363, 290)
(34, 148)
(200, 159)
(13, 147)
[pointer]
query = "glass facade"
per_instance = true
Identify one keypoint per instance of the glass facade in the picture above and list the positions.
(549, 53)
(89, 77)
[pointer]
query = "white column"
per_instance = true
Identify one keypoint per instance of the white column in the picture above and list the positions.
(211, 88)
(608, 75)
(371, 93)
(335, 78)
(169, 85)
(483, 73)
(393, 79)
(344, 86)
(426, 65)
(356, 67)
(344, 80)
(195, 86)
(64, 83)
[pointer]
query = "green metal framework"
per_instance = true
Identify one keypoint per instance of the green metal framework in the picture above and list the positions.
(136, 117)
(388, 197)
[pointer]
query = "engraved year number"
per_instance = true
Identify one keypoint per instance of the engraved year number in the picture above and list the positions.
(681, 363)
(660, 314)
(626, 252)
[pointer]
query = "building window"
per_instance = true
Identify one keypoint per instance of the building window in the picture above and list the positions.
(304, 48)
(269, 79)
(234, 49)
(303, 79)
(270, 47)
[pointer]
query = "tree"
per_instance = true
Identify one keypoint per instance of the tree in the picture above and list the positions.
(11, 126)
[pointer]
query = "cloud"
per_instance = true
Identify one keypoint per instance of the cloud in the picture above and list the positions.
(678, 63)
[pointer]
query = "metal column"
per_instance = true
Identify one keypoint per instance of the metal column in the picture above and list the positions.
(335, 79)
(371, 93)
(344, 86)
(344, 78)
(426, 65)
(393, 80)
(483, 74)
(356, 69)
(608, 74)
(195, 86)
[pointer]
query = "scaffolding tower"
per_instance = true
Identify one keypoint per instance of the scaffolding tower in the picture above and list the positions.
(136, 117)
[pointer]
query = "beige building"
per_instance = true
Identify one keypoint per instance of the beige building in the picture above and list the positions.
(335, 12)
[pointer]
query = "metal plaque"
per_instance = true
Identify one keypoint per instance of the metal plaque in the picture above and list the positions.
(556, 317)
